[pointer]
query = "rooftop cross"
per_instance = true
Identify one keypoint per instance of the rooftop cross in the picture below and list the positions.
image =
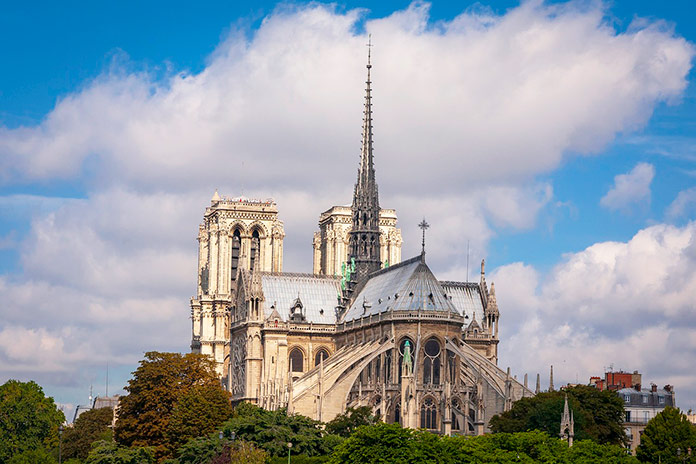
(423, 225)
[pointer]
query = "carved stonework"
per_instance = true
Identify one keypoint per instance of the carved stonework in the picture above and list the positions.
(238, 354)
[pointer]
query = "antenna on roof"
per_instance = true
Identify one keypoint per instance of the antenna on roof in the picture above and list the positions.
(467, 260)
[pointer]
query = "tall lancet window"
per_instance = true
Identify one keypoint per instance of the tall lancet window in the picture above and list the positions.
(236, 243)
(254, 249)
(428, 414)
(431, 363)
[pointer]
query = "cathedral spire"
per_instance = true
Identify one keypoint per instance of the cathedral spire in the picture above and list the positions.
(364, 236)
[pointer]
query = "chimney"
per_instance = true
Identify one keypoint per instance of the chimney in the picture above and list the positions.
(668, 388)
(653, 387)
(637, 387)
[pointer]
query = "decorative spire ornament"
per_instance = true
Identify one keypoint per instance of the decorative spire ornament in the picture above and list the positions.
(423, 226)
(364, 236)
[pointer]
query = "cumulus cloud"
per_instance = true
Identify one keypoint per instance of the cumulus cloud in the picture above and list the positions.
(468, 113)
(630, 304)
(630, 188)
(490, 97)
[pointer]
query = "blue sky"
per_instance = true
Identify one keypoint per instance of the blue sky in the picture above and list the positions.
(118, 121)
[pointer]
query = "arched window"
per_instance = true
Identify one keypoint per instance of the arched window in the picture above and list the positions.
(297, 360)
(388, 367)
(321, 354)
(428, 414)
(397, 413)
(431, 363)
(236, 241)
(254, 249)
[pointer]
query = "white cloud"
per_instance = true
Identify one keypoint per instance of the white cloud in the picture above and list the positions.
(684, 204)
(630, 188)
(630, 304)
(467, 114)
(489, 98)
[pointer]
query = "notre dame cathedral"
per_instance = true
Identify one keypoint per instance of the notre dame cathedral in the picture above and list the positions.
(365, 329)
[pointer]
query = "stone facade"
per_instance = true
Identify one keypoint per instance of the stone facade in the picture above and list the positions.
(385, 333)
(331, 241)
(237, 233)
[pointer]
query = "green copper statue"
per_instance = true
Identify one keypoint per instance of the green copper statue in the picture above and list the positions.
(408, 363)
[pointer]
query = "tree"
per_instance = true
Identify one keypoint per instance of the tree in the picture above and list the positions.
(198, 412)
(668, 437)
(89, 427)
(388, 443)
(28, 419)
(598, 414)
(35, 456)
(345, 424)
(108, 452)
(161, 380)
(590, 452)
(272, 430)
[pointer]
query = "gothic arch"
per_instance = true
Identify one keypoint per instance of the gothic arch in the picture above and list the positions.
(256, 225)
(237, 225)
(429, 413)
(321, 350)
(298, 356)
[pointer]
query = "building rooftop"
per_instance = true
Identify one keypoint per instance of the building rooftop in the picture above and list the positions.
(317, 293)
(407, 286)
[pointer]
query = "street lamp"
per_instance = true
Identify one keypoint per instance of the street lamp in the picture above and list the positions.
(289, 447)
(220, 435)
(60, 444)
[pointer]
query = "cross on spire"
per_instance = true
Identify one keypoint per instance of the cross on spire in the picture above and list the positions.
(423, 226)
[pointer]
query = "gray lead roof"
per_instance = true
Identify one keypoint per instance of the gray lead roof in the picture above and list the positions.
(408, 286)
(466, 297)
(319, 295)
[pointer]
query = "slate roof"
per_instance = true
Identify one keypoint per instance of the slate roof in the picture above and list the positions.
(407, 286)
(465, 296)
(318, 294)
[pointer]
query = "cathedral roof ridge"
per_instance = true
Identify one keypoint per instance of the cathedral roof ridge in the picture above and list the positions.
(460, 284)
(394, 267)
(308, 275)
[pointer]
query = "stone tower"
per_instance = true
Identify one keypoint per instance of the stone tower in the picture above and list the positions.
(364, 240)
(236, 234)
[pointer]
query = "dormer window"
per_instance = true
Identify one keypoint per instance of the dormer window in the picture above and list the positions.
(297, 311)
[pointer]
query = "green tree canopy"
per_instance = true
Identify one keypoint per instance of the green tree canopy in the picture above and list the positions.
(272, 430)
(390, 443)
(667, 438)
(28, 419)
(108, 452)
(90, 426)
(35, 456)
(198, 412)
(161, 380)
(345, 424)
(598, 414)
